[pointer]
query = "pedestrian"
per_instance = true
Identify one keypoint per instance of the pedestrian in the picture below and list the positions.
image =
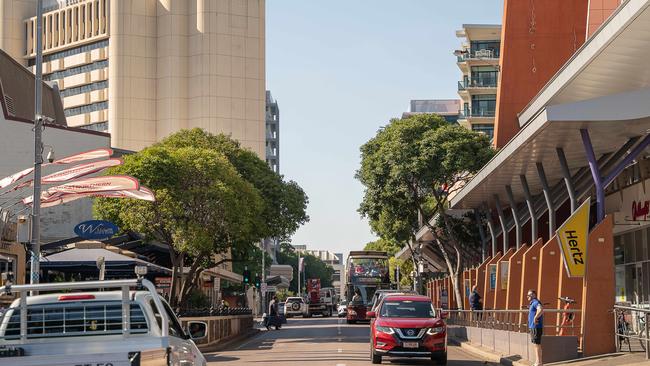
(273, 314)
(475, 303)
(357, 295)
(535, 324)
(224, 304)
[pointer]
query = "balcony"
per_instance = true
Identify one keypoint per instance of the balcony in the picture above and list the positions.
(479, 83)
(484, 54)
(476, 113)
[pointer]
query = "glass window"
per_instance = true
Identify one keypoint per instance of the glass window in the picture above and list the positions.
(628, 245)
(619, 253)
(639, 243)
(486, 128)
(484, 105)
(493, 47)
(407, 309)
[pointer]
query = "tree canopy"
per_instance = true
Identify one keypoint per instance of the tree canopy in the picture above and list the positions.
(214, 201)
(409, 169)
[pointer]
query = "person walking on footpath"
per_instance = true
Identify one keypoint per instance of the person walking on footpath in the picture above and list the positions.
(535, 324)
(273, 314)
(475, 302)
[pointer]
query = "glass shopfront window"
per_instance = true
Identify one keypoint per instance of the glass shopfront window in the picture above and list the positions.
(632, 262)
(7, 269)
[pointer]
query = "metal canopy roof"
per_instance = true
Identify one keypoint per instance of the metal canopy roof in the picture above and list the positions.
(604, 87)
(611, 121)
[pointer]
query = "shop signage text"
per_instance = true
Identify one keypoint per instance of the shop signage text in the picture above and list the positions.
(640, 210)
(572, 237)
(95, 229)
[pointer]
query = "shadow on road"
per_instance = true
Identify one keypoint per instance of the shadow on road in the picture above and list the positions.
(218, 358)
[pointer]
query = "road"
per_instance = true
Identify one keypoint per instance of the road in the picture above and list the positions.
(315, 342)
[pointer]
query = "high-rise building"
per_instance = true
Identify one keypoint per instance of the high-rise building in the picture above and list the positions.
(272, 133)
(478, 60)
(145, 69)
(449, 109)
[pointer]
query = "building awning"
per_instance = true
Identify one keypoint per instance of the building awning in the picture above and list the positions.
(611, 121)
(603, 88)
(86, 259)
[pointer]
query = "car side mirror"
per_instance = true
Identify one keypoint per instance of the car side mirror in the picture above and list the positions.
(197, 330)
(371, 314)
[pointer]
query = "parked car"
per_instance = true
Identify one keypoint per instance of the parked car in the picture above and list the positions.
(295, 306)
(342, 309)
(107, 328)
(407, 326)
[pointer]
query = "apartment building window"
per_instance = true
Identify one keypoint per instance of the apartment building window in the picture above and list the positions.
(484, 76)
(485, 128)
(84, 88)
(70, 52)
(99, 126)
(484, 105)
(76, 70)
(492, 47)
(88, 108)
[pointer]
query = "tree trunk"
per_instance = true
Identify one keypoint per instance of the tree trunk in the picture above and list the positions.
(176, 263)
(188, 282)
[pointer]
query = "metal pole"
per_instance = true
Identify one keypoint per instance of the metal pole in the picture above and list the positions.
(502, 220)
(35, 237)
(493, 237)
(263, 293)
(595, 173)
(567, 179)
(481, 232)
(515, 215)
(548, 198)
(531, 209)
(299, 292)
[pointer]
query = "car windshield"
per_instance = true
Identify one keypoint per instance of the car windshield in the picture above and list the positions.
(298, 299)
(407, 309)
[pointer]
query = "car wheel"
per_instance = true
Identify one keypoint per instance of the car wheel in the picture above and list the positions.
(376, 359)
(441, 359)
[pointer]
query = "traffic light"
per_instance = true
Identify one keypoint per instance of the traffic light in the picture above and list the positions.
(247, 276)
(258, 281)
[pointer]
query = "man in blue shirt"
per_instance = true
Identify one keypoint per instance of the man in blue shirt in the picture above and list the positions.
(535, 324)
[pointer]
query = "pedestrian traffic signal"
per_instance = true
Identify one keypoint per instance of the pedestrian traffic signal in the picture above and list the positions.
(258, 281)
(247, 277)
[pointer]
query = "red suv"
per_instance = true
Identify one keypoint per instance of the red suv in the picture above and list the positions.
(407, 326)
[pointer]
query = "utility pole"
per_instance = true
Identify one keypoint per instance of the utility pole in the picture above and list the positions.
(35, 237)
(299, 292)
(263, 293)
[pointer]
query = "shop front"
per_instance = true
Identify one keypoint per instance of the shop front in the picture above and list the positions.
(12, 267)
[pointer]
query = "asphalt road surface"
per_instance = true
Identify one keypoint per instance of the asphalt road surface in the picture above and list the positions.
(319, 341)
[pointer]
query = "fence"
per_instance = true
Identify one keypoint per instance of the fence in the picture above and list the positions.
(632, 329)
(219, 311)
(517, 320)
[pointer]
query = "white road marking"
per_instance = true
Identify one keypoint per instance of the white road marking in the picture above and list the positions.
(341, 364)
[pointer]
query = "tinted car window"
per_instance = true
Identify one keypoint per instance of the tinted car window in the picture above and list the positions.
(407, 309)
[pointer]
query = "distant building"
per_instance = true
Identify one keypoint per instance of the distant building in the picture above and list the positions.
(334, 260)
(272, 133)
(478, 60)
(449, 109)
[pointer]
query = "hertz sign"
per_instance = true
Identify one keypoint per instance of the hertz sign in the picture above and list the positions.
(572, 237)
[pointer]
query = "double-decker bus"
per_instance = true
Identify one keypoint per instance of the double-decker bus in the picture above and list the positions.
(365, 272)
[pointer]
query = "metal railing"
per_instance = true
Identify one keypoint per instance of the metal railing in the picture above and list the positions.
(489, 82)
(476, 113)
(478, 55)
(218, 311)
(516, 320)
(632, 329)
(27, 321)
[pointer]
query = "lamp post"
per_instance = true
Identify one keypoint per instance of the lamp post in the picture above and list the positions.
(35, 237)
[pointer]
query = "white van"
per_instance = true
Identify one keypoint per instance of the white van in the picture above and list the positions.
(119, 328)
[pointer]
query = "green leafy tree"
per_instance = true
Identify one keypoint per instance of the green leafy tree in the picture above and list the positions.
(409, 170)
(314, 267)
(384, 245)
(285, 203)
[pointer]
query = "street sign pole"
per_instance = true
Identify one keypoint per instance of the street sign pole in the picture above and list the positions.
(263, 297)
(35, 237)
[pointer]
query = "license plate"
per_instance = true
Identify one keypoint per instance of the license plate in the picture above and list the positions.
(411, 345)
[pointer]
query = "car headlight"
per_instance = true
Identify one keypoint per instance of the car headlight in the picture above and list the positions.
(435, 330)
(352, 312)
(386, 330)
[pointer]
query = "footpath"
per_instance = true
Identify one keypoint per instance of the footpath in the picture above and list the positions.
(614, 359)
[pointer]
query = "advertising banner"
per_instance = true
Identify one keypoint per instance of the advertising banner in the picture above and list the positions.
(505, 266)
(86, 155)
(7, 181)
(493, 276)
(89, 185)
(143, 193)
(572, 237)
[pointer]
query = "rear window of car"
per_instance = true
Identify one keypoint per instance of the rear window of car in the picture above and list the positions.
(76, 319)
(407, 309)
(295, 300)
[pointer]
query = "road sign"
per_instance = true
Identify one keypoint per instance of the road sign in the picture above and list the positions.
(271, 289)
(263, 287)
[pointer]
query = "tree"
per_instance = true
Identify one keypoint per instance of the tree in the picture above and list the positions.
(383, 245)
(285, 203)
(203, 208)
(409, 170)
(314, 267)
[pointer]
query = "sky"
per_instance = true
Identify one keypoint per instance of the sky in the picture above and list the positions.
(341, 69)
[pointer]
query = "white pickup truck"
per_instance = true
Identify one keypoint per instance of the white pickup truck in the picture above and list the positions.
(111, 328)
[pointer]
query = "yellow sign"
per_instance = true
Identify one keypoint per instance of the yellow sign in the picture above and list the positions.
(572, 237)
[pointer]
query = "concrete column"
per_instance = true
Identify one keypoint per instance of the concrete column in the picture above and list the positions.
(549, 199)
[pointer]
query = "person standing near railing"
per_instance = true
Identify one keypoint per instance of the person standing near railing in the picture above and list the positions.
(475, 303)
(535, 324)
